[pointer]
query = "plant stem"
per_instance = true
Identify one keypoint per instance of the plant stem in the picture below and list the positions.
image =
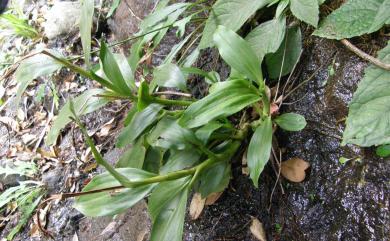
(171, 102)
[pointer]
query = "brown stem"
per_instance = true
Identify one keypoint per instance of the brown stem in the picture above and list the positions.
(364, 55)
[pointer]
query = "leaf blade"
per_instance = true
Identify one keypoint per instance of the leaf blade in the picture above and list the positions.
(259, 149)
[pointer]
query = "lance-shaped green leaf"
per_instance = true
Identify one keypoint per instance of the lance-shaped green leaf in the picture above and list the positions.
(153, 159)
(226, 99)
(291, 121)
(114, 201)
(259, 149)
(306, 10)
(267, 37)
(160, 15)
(127, 73)
(170, 75)
(231, 14)
(32, 68)
(138, 124)
(238, 53)
(134, 156)
(113, 7)
(112, 71)
(369, 111)
(287, 54)
(85, 25)
(215, 178)
(167, 208)
(169, 134)
(180, 159)
(205, 132)
(354, 18)
(84, 104)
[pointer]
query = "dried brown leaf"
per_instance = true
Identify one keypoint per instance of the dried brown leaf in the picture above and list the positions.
(257, 229)
(212, 198)
(196, 206)
(11, 123)
(294, 169)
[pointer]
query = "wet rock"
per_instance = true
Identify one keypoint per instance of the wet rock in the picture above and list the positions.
(62, 19)
(128, 16)
(134, 225)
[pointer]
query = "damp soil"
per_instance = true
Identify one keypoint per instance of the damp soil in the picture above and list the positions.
(336, 201)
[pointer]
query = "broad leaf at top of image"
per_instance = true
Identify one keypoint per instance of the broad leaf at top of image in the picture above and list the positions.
(354, 18)
(230, 13)
(369, 111)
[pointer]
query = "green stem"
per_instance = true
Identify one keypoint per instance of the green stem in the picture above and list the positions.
(171, 102)
(96, 154)
(266, 104)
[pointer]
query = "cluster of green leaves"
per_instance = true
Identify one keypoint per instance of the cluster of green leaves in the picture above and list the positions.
(175, 145)
(25, 196)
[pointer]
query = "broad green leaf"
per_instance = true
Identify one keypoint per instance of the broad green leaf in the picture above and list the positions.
(32, 68)
(112, 71)
(382, 17)
(134, 156)
(354, 18)
(153, 159)
(230, 13)
(170, 135)
(287, 54)
(259, 149)
(113, 7)
(383, 150)
(114, 201)
(170, 75)
(291, 121)
(369, 111)
(238, 53)
(130, 115)
(139, 123)
(85, 25)
(306, 10)
(127, 73)
(167, 207)
(84, 104)
(215, 178)
(227, 98)
(179, 160)
(267, 37)
(281, 7)
(205, 131)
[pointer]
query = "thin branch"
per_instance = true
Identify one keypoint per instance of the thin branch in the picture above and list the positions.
(364, 55)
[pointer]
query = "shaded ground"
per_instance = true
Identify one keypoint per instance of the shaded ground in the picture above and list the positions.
(335, 202)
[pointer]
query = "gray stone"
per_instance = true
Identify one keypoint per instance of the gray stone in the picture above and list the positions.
(134, 225)
(62, 19)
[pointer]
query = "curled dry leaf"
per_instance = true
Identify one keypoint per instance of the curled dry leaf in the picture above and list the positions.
(294, 169)
(212, 198)
(257, 229)
(196, 206)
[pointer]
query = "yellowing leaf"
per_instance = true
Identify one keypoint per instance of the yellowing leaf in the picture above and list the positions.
(294, 169)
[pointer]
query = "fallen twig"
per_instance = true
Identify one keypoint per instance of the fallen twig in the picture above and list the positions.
(364, 55)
